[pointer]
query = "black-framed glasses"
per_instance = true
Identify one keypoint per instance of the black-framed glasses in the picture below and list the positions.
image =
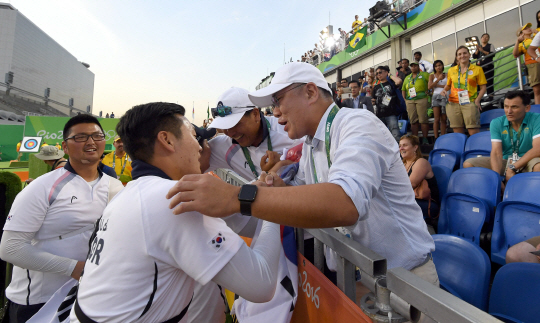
(275, 100)
(221, 111)
(84, 138)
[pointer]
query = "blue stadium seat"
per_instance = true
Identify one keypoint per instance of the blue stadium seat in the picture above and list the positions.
(515, 293)
(403, 126)
(480, 182)
(515, 221)
(535, 108)
(478, 145)
(464, 269)
(447, 150)
(523, 187)
(486, 117)
(442, 174)
(463, 215)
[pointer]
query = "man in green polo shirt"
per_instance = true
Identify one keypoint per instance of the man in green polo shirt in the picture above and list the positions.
(515, 139)
(414, 91)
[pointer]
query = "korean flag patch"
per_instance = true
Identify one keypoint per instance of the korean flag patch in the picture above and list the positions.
(217, 241)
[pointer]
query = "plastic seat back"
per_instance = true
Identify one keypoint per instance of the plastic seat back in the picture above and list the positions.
(451, 141)
(515, 221)
(464, 269)
(480, 182)
(403, 126)
(515, 293)
(535, 108)
(523, 187)
(442, 174)
(477, 145)
(443, 157)
(488, 116)
(463, 215)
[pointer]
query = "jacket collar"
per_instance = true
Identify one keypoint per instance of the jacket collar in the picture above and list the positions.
(141, 169)
(70, 169)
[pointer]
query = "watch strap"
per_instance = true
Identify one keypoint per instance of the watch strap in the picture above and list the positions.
(245, 207)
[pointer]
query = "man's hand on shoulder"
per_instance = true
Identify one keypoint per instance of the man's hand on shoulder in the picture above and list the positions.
(205, 194)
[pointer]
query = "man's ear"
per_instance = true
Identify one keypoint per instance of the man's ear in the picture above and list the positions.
(165, 140)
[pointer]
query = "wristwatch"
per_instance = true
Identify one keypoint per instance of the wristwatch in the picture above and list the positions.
(513, 168)
(246, 197)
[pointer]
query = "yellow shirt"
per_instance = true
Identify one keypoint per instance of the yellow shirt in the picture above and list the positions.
(474, 76)
(356, 25)
(523, 46)
(118, 163)
(18, 146)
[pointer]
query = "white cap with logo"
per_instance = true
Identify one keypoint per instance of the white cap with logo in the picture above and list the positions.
(237, 99)
(286, 75)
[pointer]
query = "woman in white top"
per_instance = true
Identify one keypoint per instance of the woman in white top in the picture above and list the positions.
(437, 81)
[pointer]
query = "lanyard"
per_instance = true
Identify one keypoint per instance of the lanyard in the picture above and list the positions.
(327, 127)
(123, 165)
(248, 156)
(511, 134)
(466, 77)
(413, 81)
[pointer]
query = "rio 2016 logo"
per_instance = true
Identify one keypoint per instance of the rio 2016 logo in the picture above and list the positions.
(109, 135)
(308, 289)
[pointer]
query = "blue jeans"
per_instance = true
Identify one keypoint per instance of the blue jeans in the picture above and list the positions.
(392, 123)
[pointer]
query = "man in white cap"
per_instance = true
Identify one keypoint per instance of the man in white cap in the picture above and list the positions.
(249, 147)
(351, 159)
(52, 156)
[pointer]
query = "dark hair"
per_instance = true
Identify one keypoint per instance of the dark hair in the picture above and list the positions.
(140, 125)
(357, 83)
(405, 59)
(343, 80)
(461, 47)
(384, 68)
(436, 62)
(78, 119)
(537, 20)
(525, 98)
(485, 34)
(419, 53)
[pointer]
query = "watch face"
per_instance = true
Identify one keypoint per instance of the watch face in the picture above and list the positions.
(247, 193)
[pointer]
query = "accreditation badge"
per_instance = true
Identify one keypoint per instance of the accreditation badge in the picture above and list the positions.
(386, 100)
(515, 158)
(464, 97)
(412, 93)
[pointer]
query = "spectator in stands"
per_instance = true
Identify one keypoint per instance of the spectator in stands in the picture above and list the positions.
(119, 161)
(52, 156)
(414, 91)
(344, 36)
(357, 101)
(57, 145)
(425, 66)
(386, 100)
(48, 227)
(112, 114)
(357, 177)
(533, 68)
(532, 50)
(107, 115)
(515, 139)
(521, 252)
(484, 49)
(405, 70)
(463, 108)
(422, 178)
(437, 82)
(356, 24)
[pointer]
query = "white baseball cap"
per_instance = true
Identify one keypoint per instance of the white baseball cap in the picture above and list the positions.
(237, 99)
(286, 75)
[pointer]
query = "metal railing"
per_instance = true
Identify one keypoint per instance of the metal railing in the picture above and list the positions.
(397, 294)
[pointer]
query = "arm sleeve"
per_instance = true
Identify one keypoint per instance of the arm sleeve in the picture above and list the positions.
(242, 225)
(482, 77)
(16, 248)
(252, 273)
(495, 130)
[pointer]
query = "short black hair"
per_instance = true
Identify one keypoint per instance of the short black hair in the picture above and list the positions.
(485, 34)
(78, 119)
(384, 68)
(405, 59)
(343, 80)
(140, 125)
(357, 83)
(419, 53)
(525, 97)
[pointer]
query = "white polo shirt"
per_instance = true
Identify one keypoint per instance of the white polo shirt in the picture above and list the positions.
(228, 154)
(367, 165)
(56, 204)
(144, 261)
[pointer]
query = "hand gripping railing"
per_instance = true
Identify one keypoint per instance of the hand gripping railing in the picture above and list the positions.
(396, 295)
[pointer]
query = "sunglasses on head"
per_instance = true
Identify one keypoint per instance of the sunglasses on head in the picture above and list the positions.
(221, 111)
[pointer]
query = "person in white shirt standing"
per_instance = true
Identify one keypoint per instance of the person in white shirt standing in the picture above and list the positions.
(352, 169)
(425, 66)
(47, 230)
(145, 261)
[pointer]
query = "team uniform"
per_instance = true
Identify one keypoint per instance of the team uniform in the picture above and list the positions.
(61, 208)
(144, 261)
(226, 153)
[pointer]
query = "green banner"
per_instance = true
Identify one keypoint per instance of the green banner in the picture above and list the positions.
(51, 128)
(358, 40)
(9, 137)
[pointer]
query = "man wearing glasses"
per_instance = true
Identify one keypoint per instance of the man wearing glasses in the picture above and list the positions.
(350, 175)
(253, 144)
(386, 99)
(48, 227)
